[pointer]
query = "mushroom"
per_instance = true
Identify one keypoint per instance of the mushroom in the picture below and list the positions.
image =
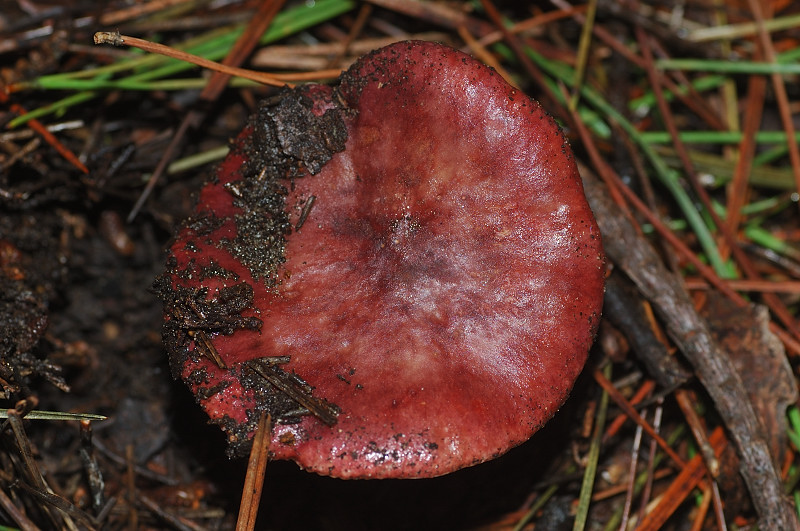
(402, 270)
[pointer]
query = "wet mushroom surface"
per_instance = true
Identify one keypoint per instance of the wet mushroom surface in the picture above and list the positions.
(401, 269)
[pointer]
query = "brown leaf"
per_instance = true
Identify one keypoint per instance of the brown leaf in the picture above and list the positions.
(760, 359)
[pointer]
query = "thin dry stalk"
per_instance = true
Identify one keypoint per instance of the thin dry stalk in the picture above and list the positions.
(254, 479)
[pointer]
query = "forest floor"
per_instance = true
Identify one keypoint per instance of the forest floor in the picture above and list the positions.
(683, 118)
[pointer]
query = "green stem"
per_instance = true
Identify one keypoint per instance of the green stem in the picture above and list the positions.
(585, 498)
(728, 67)
(55, 415)
(714, 137)
(56, 107)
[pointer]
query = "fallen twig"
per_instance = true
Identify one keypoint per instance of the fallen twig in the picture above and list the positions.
(636, 258)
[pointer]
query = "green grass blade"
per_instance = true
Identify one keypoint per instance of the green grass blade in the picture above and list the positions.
(55, 415)
(585, 498)
(714, 137)
(728, 67)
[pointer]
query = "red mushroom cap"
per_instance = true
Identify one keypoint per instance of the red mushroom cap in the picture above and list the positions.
(411, 251)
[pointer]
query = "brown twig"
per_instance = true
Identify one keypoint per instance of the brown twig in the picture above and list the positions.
(630, 486)
(436, 13)
(779, 88)
(636, 257)
(109, 37)
(16, 514)
(787, 287)
(643, 392)
(176, 522)
(138, 10)
(686, 401)
(48, 137)
(658, 415)
(358, 26)
(681, 487)
(619, 307)
(533, 22)
(254, 479)
(623, 404)
(266, 78)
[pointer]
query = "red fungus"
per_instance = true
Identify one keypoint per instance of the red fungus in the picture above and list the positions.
(408, 256)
